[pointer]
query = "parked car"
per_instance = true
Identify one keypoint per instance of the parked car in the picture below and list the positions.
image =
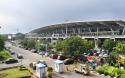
(34, 50)
(19, 56)
(11, 60)
(26, 48)
(68, 61)
(41, 53)
(80, 58)
(61, 57)
(54, 56)
(12, 52)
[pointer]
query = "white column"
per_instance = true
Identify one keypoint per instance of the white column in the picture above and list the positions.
(96, 43)
(66, 30)
(123, 31)
(79, 31)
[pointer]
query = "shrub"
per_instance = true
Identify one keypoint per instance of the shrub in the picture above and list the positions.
(25, 77)
(22, 67)
(4, 55)
(49, 69)
(1, 43)
(122, 76)
(114, 72)
(49, 75)
(108, 70)
(100, 70)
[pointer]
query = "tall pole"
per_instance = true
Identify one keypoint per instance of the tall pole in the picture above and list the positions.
(38, 45)
(46, 47)
(66, 28)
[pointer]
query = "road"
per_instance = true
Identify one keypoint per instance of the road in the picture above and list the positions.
(28, 56)
(32, 57)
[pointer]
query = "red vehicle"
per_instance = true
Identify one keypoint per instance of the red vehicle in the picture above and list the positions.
(61, 57)
(89, 58)
(54, 56)
(81, 58)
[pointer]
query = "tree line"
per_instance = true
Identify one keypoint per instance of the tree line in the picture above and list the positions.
(75, 45)
(1, 42)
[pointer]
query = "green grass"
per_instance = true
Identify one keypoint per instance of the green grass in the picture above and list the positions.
(14, 73)
(4, 55)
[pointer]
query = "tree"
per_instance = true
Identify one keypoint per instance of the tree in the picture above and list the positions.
(108, 44)
(39, 45)
(59, 45)
(24, 42)
(119, 48)
(28, 43)
(74, 45)
(1, 43)
(99, 42)
(88, 44)
(31, 43)
(111, 58)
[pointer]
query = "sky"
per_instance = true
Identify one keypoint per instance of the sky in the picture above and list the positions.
(26, 15)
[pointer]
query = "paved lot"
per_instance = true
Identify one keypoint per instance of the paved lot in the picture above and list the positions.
(31, 57)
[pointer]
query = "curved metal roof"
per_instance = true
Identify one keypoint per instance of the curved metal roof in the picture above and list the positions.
(114, 24)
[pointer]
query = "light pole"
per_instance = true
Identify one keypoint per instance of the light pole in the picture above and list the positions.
(38, 45)
(66, 28)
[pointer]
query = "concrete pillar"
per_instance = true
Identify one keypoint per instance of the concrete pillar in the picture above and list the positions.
(62, 31)
(79, 30)
(123, 31)
(66, 30)
(73, 30)
(96, 43)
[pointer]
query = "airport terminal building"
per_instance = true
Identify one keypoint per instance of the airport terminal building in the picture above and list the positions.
(92, 29)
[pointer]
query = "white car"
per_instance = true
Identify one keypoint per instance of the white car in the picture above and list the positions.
(19, 56)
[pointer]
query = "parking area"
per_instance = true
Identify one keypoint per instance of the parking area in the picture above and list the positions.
(29, 57)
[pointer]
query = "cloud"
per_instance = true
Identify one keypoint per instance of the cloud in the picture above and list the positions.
(7, 19)
(26, 15)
